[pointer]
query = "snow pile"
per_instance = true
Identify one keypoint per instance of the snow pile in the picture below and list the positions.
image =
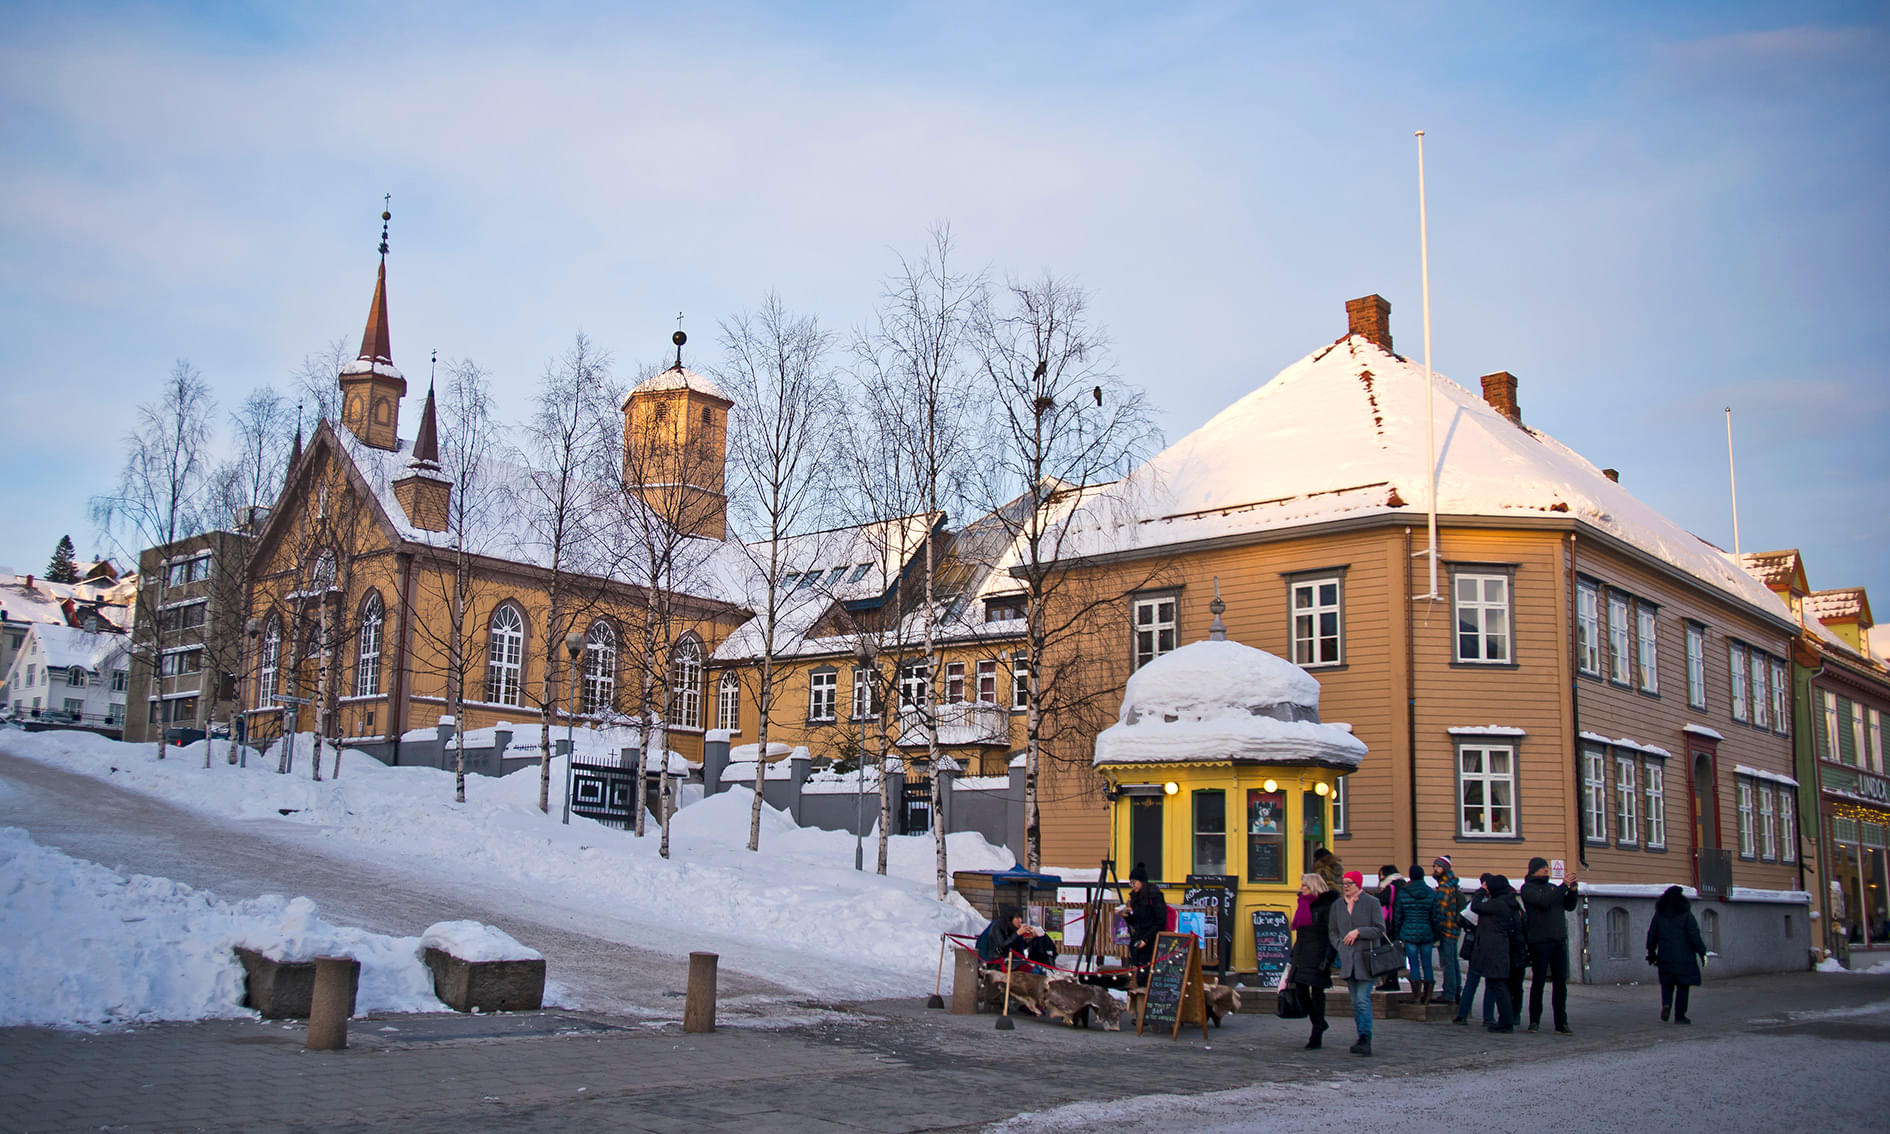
(1831, 965)
(797, 913)
(82, 944)
(471, 941)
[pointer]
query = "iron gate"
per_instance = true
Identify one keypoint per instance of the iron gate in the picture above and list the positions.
(915, 807)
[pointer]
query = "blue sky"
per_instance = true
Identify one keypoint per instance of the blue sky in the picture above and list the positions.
(1647, 215)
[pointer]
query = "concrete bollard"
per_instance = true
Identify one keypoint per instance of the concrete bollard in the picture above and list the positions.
(699, 1005)
(336, 979)
(964, 983)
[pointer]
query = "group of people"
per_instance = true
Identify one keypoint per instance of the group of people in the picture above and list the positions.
(1499, 931)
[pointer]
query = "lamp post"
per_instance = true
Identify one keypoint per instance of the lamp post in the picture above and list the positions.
(573, 645)
(253, 630)
(863, 653)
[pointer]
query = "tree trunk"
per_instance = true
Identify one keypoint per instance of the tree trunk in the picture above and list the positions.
(321, 688)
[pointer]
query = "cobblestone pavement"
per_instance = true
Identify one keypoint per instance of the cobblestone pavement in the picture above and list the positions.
(882, 1066)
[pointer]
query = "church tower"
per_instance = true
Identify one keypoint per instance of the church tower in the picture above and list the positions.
(371, 388)
(675, 445)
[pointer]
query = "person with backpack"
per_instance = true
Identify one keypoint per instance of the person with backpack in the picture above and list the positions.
(1450, 907)
(1675, 948)
(1413, 921)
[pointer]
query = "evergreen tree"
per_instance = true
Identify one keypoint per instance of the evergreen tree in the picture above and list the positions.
(62, 569)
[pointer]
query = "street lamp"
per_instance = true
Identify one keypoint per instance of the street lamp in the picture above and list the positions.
(252, 629)
(863, 653)
(573, 645)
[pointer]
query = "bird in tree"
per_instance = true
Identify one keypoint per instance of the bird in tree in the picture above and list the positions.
(63, 568)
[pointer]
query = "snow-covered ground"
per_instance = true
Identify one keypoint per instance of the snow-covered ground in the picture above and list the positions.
(797, 912)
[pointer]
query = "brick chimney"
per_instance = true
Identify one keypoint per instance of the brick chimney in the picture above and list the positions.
(1612, 474)
(1369, 317)
(1499, 389)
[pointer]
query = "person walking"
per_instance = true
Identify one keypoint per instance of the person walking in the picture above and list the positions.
(1546, 905)
(1450, 906)
(1147, 913)
(1675, 949)
(1414, 922)
(1389, 880)
(1499, 948)
(1354, 922)
(1312, 950)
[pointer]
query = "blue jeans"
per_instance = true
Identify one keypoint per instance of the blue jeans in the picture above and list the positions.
(1417, 957)
(1361, 991)
(1447, 967)
(1468, 998)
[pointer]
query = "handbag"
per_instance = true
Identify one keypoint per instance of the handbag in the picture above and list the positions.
(1290, 1003)
(1385, 958)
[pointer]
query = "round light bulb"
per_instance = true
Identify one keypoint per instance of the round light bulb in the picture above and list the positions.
(1171, 787)
(1272, 785)
(1321, 789)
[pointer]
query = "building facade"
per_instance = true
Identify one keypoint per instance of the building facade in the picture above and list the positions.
(187, 637)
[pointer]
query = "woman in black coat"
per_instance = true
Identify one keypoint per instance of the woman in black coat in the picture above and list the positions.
(1675, 947)
(1312, 952)
(1147, 914)
(1498, 952)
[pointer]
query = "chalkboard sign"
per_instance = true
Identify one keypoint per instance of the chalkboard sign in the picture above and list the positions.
(1175, 994)
(1272, 945)
(1215, 893)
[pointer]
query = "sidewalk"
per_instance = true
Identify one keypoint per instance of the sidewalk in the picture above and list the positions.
(882, 1066)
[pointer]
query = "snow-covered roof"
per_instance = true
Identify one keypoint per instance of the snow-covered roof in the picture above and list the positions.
(378, 367)
(1219, 701)
(1340, 435)
(679, 378)
(1776, 569)
(62, 647)
(43, 602)
(1839, 603)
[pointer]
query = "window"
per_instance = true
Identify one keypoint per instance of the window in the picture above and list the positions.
(1876, 740)
(1487, 788)
(954, 682)
(1155, 628)
(74, 707)
(1594, 794)
(1654, 784)
(1781, 710)
(176, 663)
(1787, 825)
(1857, 733)
(1741, 709)
(1748, 839)
(119, 680)
(1627, 800)
(1620, 665)
(367, 654)
(987, 683)
(1827, 737)
(1316, 622)
(600, 668)
(1266, 836)
(1761, 707)
(1587, 628)
(505, 652)
(266, 667)
(1338, 807)
(859, 572)
(1005, 608)
(823, 694)
(728, 701)
(77, 679)
(1768, 822)
(1210, 832)
(1709, 930)
(1647, 629)
(915, 682)
(1482, 603)
(686, 690)
(115, 715)
(29, 673)
(1696, 666)
(1617, 934)
(865, 693)
(1020, 682)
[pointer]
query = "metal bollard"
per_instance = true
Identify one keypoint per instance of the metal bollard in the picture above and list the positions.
(964, 983)
(332, 1003)
(699, 1005)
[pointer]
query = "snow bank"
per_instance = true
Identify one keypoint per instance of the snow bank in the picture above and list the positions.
(1831, 965)
(84, 944)
(471, 941)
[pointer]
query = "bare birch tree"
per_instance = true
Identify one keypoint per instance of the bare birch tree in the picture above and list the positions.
(776, 371)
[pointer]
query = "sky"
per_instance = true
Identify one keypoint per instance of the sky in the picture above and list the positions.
(1647, 213)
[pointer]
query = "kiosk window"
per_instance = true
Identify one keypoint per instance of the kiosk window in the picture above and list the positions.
(1266, 836)
(1210, 832)
(1145, 833)
(1312, 826)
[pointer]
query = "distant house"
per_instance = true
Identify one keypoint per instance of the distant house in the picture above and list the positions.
(188, 635)
(70, 677)
(26, 600)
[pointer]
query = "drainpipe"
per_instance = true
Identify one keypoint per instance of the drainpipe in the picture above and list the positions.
(397, 699)
(1410, 687)
(1575, 704)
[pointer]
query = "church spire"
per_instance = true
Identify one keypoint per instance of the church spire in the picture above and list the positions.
(426, 444)
(371, 387)
(375, 346)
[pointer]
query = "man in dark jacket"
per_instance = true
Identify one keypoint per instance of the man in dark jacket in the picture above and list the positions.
(1546, 907)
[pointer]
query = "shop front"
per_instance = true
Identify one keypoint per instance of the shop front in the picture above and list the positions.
(1220, 768)
(1857, 821)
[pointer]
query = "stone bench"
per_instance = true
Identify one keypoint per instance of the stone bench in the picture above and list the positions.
(487, 986)
(284, 990)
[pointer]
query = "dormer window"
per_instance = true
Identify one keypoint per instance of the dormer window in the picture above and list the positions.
(1005, 608)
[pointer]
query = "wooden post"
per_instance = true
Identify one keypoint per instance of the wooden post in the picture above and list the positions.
(1004, 1022)
(332, 1003)
(964, 982)
(699, 1004)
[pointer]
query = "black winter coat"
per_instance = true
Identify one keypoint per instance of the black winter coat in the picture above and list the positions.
(1674, 944)
(1546, 904)
(1148, 915)
(1499, 932)
(1312, 947)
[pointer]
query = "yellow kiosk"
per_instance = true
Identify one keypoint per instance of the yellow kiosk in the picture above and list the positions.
(1218, 765)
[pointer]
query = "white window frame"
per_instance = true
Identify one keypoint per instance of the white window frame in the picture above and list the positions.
(1493, 642)
(505, 656)
(115, 714)
(1487, 810)
(865, 693)
(1595, 794)
(1781, 693)
(915, 685)
(686, 685)
(1761, 692)
(1827, 709)
(1020, 682)
(1155, 625)
(823, 695)
(1736, 660)
(1620, 661)
(1338, 806)
(728, 701)
(1588, 628)
(986, 687)
(120, 680)
(1654, 791)
(1647, 643)
(1787, 825)
(1768, 823)
(1857, 735)
(1748, 834)
(600, 669)
(77, 678)
(1696, 665)
(955, 683)
(1876, 740)
(1318, 621)
(269, 665)
(367, 654)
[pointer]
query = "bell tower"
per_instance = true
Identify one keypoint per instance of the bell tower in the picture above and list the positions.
(371, 388)
(675, 446)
